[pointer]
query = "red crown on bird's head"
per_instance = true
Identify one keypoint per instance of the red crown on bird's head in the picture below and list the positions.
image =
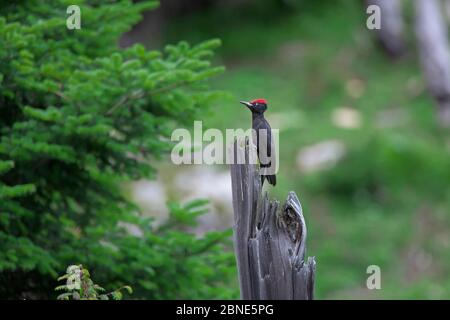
(263, 101)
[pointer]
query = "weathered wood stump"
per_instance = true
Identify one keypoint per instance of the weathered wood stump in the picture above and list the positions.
(269, 239)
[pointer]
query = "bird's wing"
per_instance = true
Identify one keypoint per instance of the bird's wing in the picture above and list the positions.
(261, 128)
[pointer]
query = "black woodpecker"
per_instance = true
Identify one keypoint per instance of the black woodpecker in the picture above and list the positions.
(260, 127)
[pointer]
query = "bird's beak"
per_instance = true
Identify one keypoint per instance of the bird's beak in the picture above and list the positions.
(248, 104)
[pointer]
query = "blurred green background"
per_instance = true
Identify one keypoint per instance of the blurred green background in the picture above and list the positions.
(359, 141)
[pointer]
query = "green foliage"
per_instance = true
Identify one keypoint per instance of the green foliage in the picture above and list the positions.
(166, 262)
(387, 201)
(78, 117)
(79, 286)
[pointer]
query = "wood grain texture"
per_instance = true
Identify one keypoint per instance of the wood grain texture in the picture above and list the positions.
(269, 238)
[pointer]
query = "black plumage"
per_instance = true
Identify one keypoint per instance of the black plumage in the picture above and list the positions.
(263, 131)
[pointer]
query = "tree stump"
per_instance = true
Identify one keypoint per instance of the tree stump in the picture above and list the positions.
(269, 239)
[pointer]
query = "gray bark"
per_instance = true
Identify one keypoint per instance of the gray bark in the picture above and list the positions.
(390, 35)
(269, 239)
(431, 31)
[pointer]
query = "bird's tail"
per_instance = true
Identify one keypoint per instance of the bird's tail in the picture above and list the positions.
(272, 179)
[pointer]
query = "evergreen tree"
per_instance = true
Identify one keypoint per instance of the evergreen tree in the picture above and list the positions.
(78, 116)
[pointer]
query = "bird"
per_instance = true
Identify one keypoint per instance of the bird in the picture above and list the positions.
(260, 127)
